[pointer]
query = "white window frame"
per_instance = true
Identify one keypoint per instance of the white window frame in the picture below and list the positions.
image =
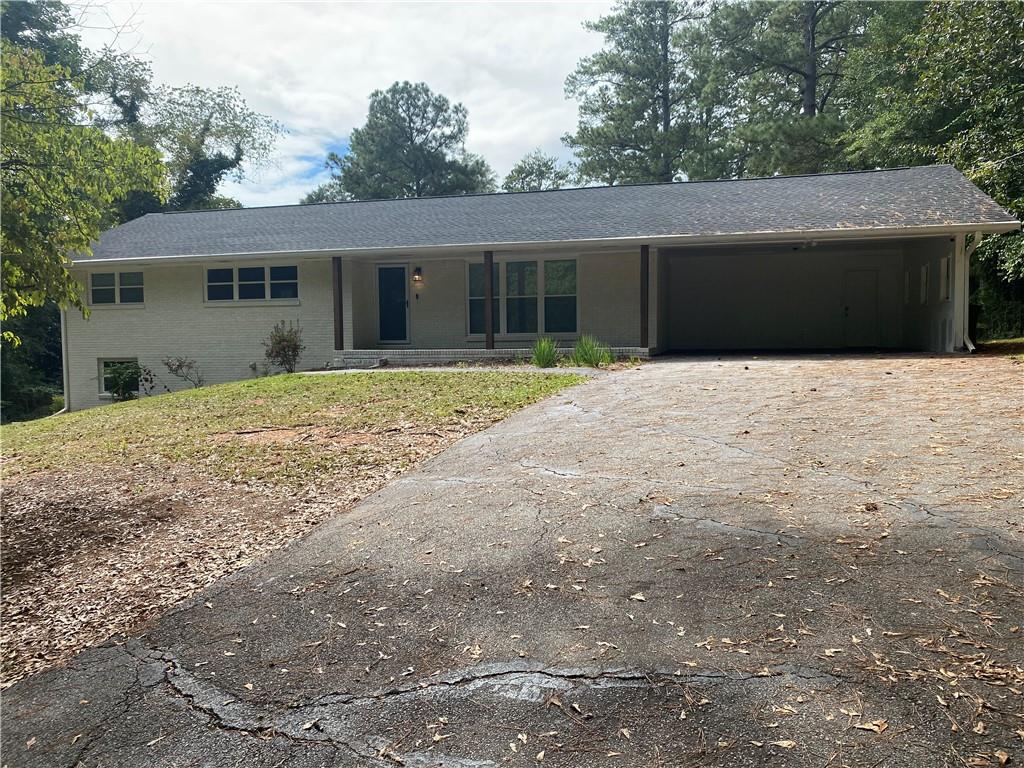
(501, 294)
(100, 362)
(117, 289)
(235, 300)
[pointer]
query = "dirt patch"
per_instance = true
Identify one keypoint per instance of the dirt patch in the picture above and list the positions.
(98, 550)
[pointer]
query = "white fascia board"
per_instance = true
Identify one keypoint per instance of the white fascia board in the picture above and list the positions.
(659, 241)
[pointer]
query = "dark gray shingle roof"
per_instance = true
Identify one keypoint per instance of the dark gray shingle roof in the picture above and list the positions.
(907, 197)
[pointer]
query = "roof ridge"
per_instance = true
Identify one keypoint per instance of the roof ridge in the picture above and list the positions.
(562, 189)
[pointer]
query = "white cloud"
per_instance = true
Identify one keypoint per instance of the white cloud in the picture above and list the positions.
(312, 66)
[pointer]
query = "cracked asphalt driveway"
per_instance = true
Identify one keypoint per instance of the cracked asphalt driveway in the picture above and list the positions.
(802, 561)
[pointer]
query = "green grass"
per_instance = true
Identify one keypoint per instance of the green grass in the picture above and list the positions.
(197, 427)
(1012, 348)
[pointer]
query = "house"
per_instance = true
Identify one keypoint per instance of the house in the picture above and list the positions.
(865, 260)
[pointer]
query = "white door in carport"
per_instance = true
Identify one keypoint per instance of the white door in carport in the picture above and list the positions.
(860, 307)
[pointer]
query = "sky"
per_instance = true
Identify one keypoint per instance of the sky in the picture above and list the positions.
(311, 66)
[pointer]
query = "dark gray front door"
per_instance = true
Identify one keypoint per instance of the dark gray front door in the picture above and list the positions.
(392, 303)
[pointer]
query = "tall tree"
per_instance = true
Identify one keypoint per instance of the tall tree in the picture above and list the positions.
(944, 82)
(636, 94)
(534, 172)
(787, 60)
(412, 145)
(61, 180)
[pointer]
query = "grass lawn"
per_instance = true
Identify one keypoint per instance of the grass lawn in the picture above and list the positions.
(1012, 348)
(114, 514)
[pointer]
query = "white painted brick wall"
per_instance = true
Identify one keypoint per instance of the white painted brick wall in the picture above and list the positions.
(225, 338)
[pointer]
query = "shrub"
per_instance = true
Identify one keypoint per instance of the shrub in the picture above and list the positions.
(284, 346)
(185, 369)
(591, 353)
(545, 353)
(124, 380)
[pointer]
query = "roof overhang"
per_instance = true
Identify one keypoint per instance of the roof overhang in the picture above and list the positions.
(618, 243)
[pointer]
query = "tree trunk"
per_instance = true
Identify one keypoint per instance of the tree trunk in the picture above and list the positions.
(666, 171)
(810, 88)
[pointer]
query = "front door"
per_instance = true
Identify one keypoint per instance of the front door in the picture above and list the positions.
(860, 308)
(392, 304)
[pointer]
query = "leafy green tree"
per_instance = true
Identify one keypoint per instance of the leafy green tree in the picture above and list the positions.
(534, 172)
(788, 61)
(637, 94)
(944, 82)
(412, 145)
(43, 26)
(61, 179)
(205, 135)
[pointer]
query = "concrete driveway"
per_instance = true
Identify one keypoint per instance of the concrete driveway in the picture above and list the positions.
(803, 561)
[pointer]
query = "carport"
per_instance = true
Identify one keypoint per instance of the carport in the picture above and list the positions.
(811, 294)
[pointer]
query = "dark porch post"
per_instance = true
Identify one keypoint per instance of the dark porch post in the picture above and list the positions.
(339, 305)
(488, 299)
(645, 287)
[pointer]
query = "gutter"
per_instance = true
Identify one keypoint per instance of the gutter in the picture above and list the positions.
(663, 241)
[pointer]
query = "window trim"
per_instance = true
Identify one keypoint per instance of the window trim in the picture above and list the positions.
(501, 295)
(117, 303)
(100, 361)
(235, 301)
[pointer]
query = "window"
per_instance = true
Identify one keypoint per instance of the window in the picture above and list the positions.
(530, 297)
(944, 277)
(906, 286)
(560, 296)
(252, 283)
(477, 300)
(116, 288)
(106, 368)
(924, 284)
(521, 297)
(284, 282)
(220, 284)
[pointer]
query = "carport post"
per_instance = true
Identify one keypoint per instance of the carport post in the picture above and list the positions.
(645, 290)
(339, 304)
(488, 299)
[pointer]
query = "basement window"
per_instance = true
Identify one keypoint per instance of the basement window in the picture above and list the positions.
(106, 368)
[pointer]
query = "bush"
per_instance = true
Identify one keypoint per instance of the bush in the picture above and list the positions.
(545, 353)
(185, 369)
(123, 381)
(284, 346)
(591, 353)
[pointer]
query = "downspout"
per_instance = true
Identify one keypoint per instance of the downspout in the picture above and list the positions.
(967, 290)
(64, 361)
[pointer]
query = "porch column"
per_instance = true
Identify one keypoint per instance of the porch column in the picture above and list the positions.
(645, 291)
(339, 304)
(488, 299)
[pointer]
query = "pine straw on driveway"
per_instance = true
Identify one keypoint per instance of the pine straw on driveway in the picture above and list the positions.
(113, 515)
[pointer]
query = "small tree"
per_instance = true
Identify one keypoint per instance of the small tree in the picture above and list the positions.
(284, 346)
(185, 369)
